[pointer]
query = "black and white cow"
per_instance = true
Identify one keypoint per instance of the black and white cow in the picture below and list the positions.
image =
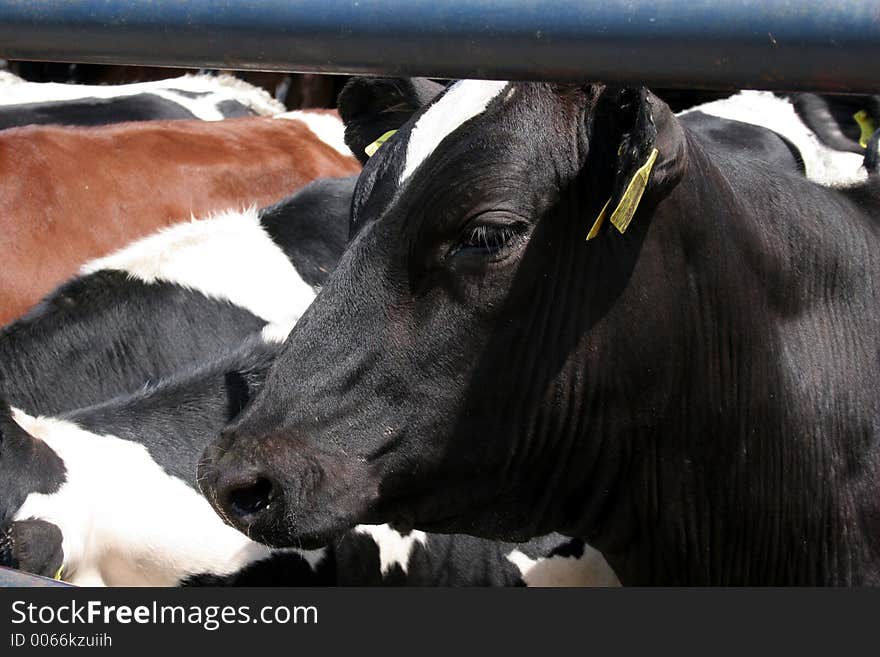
(86, 473)
(118, 478)
(831, 133)
(693, 391)
(206, 97)
(174, 299)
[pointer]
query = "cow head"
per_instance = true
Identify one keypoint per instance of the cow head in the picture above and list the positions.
(27, 465)
(34, 546)
(459, 371)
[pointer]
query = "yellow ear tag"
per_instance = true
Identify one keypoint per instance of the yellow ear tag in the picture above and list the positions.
(867, 126)
(58, 574)
(372, 148)
(599, 221)
(629, 201)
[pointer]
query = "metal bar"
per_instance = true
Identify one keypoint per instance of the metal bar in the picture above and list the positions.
(773, 44)
(10, 577)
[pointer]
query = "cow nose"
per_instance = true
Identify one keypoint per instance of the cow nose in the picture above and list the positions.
(246, 498)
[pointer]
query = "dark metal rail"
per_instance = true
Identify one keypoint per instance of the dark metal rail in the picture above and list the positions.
(11, 577)
(823, 45)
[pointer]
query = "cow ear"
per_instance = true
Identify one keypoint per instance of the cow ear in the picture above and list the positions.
(638, 150)
(373, 107)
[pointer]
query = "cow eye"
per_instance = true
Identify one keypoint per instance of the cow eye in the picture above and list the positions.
(485, 238)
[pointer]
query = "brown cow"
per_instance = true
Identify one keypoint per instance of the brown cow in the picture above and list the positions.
(68, 195)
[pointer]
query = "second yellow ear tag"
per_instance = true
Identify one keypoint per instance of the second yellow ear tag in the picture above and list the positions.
(599, 221)
(629, 200)
(372, 148)
(866, 125)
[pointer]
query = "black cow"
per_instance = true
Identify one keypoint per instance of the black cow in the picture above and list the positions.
(89, 471)
(693, 391)
(173, 300)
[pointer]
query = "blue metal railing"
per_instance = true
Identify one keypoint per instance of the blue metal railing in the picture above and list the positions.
(824, 45)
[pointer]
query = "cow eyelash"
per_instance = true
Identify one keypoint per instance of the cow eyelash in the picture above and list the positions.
(486, 238)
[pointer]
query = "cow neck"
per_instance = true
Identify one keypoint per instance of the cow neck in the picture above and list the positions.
(707, 498)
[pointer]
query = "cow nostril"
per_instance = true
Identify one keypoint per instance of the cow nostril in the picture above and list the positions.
(245, 501)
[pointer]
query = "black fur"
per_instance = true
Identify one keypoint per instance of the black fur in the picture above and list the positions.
(760, 143)
(92, 111)
(27, 466)
(311, 227)
(281, 569)
(872, 154)
(33, 546)
(106, 334)
(231, 109)
(830, 117)
(176, 418)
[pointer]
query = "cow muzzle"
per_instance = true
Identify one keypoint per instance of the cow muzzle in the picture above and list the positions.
(279, 492)
(245, 494)
(245, 497)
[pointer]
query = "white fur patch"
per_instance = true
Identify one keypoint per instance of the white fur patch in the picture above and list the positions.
(125, 521)
(311, 557)
(463, 101)
(277, 333)
(228, 256)
(326, 127)
(394, 547)
(590, 569)
(824, 165)
(218, 87)
(7, 78)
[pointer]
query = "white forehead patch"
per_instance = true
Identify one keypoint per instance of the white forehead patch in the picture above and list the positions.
(463, 101)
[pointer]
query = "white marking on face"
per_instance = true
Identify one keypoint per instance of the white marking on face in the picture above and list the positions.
(219, 88)
(229, 256)
(824, 165)
(590, 569)
(394, 547)
(125, 521)
(326, 127)
(463, 101)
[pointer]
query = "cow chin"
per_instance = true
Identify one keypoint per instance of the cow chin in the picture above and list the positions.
(307, 525)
